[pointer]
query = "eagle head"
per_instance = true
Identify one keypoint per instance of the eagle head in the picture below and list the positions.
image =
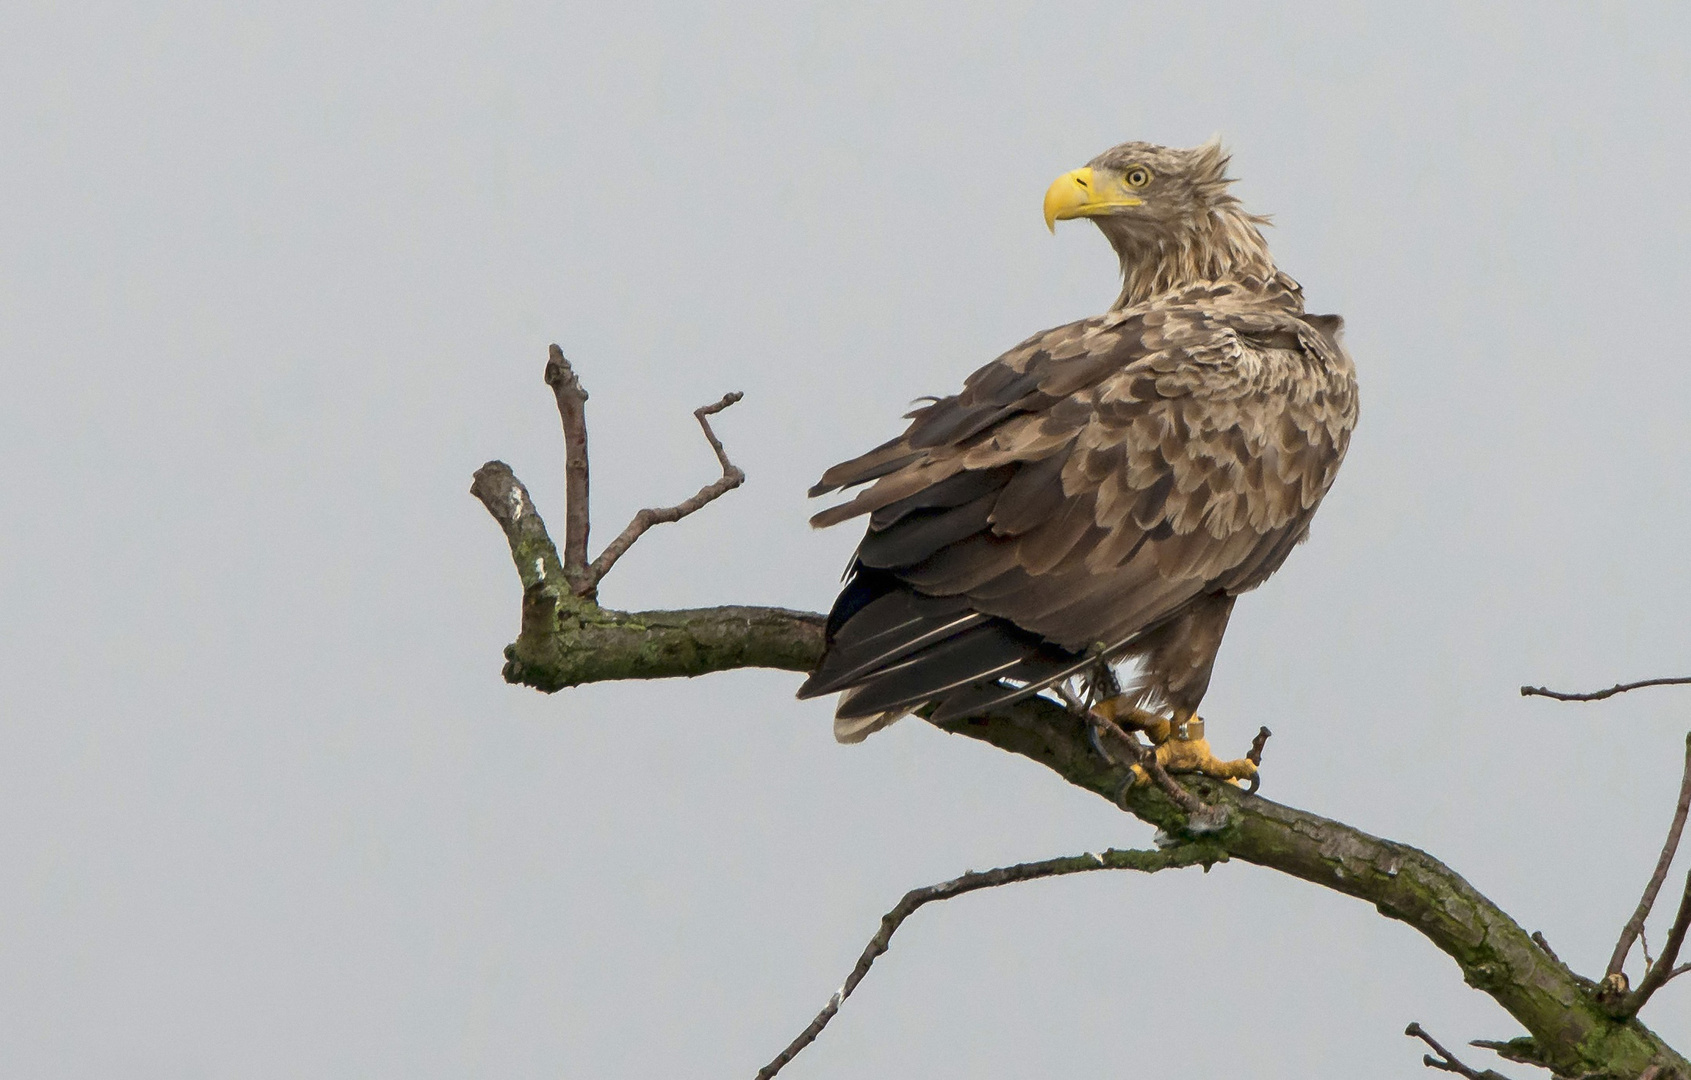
(1168, 214)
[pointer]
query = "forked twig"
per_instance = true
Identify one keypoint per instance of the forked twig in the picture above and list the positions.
(1599, 695)
(1146, 861)
(1446, 1061)
(1663, 969)
(1658, 972)
(732, 477)
(571, 396)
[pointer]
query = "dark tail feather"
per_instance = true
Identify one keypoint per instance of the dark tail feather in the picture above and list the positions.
(891, 649)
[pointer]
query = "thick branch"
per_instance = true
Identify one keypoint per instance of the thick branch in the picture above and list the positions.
(1635, 925)
(1180, 855)
(1599, 695)
(1571, 1032)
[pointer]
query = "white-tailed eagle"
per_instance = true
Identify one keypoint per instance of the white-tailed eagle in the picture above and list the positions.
(1104, 490)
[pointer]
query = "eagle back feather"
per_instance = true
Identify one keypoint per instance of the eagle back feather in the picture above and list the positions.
(1099, 475)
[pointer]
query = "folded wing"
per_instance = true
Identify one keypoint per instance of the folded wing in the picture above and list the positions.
(1080, 491)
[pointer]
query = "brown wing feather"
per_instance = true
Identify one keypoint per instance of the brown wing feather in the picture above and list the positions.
(1177, 446)
(1098, 478)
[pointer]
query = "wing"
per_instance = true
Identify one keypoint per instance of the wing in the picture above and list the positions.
(1081, 490)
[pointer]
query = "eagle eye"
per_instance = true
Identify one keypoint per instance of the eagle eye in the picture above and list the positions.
(1138, 176)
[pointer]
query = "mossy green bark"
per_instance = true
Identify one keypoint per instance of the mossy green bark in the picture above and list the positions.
(567, 640)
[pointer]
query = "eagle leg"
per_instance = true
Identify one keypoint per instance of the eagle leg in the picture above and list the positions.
(1123, 710)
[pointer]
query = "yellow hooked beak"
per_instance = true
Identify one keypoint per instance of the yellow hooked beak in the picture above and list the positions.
(1078, 194)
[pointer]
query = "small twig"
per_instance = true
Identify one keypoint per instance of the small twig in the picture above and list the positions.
(1644, 944)
(1446, 1061)
(1599, 695)
(1635, 925)
(1147, 861)
(572, 410)
(732, 477)
(1538, 939)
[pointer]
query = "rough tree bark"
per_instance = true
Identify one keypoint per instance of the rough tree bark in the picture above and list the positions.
(1575, 1027)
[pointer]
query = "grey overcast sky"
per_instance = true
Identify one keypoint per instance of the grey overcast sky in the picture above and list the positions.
(276, 277)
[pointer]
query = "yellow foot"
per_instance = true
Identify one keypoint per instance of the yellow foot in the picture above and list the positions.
(1179, 741)
(1192, 755)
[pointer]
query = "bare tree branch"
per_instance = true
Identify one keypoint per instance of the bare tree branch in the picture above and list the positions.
(1446, 1061)
(531, 548)
(1599, 695)
(1635, 926)
(568, 639)
(732, 477)
(1182, 855)
(1663, 970)
(572, 410)
(571, 397)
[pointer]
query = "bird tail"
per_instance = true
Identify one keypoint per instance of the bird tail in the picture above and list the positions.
(854, 729)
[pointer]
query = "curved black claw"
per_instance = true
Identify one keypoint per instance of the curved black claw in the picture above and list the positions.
(1097, 743)
(1128, 784)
